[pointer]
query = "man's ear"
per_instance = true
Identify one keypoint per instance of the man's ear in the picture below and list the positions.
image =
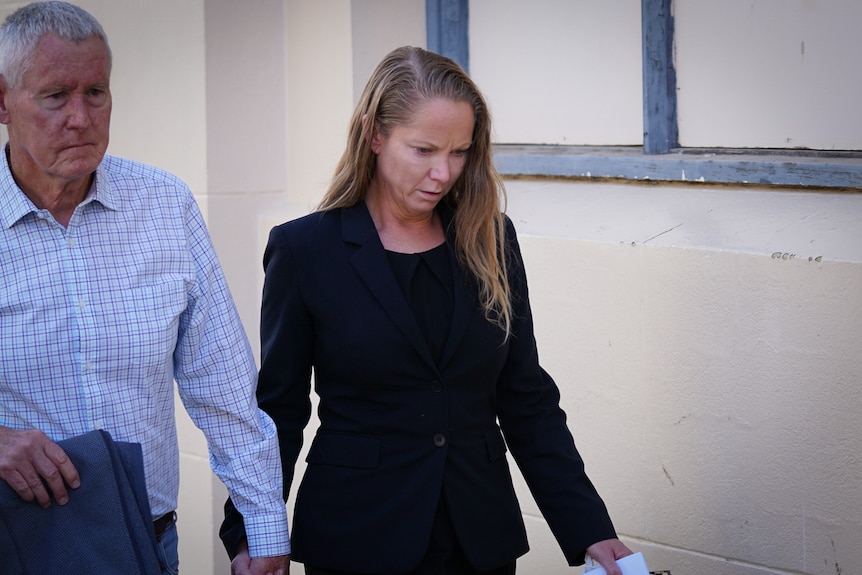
(4, 93)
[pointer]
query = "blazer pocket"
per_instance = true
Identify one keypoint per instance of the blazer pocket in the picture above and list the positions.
(495, 443)
(343, 450)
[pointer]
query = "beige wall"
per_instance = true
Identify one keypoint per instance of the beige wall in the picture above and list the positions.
(710, 384)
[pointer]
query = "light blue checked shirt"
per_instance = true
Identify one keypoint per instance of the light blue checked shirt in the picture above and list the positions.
(97, 320)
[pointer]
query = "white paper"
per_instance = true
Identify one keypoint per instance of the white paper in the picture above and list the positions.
(631, 565)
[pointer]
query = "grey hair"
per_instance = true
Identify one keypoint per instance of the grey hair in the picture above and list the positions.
(24, 28)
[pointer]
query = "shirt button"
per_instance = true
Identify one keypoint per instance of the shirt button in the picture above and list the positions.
(439, 440)
(436, 386)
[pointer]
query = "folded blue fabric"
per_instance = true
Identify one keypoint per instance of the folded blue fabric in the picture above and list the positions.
(106, 527)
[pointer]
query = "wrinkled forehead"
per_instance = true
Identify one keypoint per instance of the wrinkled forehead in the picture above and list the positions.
(54, 56)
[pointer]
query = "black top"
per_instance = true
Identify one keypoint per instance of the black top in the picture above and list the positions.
(426, 280)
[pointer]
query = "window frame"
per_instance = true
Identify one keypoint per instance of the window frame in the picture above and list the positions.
(660, 158)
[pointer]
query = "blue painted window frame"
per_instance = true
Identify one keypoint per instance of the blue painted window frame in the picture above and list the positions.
(447, 25)
(660, 158)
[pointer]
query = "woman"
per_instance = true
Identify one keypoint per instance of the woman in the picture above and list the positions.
(405, 293)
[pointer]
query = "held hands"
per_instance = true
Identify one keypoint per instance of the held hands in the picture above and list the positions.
(607, 552)
(244, 564)
(29, 457)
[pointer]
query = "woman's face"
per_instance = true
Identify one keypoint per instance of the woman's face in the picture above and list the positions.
(419, 162)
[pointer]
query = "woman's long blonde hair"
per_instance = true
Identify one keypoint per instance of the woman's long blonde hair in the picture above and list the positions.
(405, 78)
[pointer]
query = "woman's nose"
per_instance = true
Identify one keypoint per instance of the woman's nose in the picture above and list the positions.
(441, 170)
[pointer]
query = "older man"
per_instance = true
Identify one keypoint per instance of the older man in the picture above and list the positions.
(111, 291)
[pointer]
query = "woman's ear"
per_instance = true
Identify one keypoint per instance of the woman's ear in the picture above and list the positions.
(372, 134)
(375, 142)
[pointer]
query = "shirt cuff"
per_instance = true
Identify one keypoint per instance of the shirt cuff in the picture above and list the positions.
(267, 535)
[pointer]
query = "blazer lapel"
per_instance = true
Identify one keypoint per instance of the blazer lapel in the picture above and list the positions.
(370, 263)
(465, 293)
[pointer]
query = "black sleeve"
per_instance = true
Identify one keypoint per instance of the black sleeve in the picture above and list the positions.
(284, 381)
(535, 428)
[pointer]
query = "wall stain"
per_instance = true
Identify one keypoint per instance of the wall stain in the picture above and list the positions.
(681, 419)
(669, 478)
(837, 567)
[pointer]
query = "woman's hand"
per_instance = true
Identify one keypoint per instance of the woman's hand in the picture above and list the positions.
(606, 554)
(244, 564)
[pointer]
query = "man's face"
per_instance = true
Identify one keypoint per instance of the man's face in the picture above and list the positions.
(59, 117)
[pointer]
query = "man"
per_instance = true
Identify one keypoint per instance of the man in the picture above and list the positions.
(111, 290)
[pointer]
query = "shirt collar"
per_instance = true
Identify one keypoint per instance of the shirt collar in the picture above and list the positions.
(14, 204)
(103, 191)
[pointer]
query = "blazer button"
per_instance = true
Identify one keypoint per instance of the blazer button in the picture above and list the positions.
(439, 440)
(436, 386)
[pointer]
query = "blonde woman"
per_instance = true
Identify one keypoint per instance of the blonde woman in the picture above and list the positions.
(405, 294)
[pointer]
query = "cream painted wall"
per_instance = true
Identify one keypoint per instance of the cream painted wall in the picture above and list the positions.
(369, 19)
(320, 83)
(711, 381)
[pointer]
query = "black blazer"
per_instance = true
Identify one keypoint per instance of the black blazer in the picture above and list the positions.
(396, 427)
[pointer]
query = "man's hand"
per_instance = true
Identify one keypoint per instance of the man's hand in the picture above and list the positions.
(244, 564)
(29, 457)
(606, 554)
